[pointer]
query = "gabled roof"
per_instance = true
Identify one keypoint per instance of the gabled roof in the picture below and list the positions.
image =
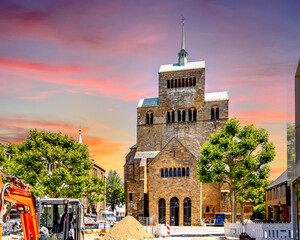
(148, 102)
(176, 67)
(216, 96)
(280, 180)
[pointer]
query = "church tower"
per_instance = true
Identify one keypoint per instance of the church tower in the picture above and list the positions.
(160, 169)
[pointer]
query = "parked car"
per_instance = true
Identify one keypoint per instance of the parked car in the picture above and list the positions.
(219, 218)
(107, 216)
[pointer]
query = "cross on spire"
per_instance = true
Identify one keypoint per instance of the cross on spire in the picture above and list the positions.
(182, 55)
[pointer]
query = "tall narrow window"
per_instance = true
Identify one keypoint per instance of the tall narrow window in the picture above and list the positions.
(183, 172)
(175, 172)
(183, 115)
(170, 172)
(162, 173)
(179, 82)
(166, 173)
(187, 82)
(175, 83)
(194, 81)
(182, 82)
(147, 119)
(151, 118)
(179, 116)
(168, 84)
(168, 117)
(173, 116)
(172, 83)
(195, 115)
(179, 172)
(217, 113)
(191, 84)
(130, 196)
(162, 211)
(188, 172)
(212, 113)
(190, 115)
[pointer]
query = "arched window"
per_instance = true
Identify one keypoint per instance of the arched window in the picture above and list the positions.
(195, 115)
(175, 172)
(173, 116)
(151, 118)
(179, 172)
(174, 211)
(162, 173)
(188, 172)
(170, 173)
(168, 117)
(179, 116)
(187, 211)
(190, 115)
(217, 113)
(168, 84)
(191, 83)
(172, 83)
(166, 173)
(194, 81)
(183, 115)
(183, 172)
(182, 82)
(175, 83)
(179, 82)
(162, 211)
(212, 113)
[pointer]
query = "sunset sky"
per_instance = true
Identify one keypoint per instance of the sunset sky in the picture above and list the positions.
(73, 64)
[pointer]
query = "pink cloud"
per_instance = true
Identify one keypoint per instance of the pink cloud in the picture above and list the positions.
(39, 96)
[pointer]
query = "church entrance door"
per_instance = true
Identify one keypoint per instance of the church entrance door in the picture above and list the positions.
(174, 212)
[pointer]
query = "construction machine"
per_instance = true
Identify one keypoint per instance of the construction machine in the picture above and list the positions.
(52, 218)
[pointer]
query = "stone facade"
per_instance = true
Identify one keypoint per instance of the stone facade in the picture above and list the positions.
(170, 131)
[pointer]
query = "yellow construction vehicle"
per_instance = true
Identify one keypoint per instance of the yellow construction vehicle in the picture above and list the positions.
(53, 218)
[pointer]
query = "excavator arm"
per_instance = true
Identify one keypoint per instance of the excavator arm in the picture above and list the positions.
(19, 194)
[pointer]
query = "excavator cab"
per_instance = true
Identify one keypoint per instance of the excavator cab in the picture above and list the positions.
(60, 219)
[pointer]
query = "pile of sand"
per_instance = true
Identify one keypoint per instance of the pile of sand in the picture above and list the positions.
(128, 228)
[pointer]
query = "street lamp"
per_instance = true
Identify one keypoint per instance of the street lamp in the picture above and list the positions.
(279, 204)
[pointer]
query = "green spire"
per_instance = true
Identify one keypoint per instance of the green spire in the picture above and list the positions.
(182, 55)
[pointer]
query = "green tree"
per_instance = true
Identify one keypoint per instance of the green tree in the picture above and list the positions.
(94, 190)
(114, 189)
(239, 156)
(53, 164)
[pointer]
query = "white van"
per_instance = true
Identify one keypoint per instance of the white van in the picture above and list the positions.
(107, 216)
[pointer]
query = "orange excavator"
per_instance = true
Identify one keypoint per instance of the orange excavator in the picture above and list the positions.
(46, 219)
(16, 192)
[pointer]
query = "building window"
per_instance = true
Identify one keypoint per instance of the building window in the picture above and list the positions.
(179, 172)
(187, 82)
(183, 82)
(162, 211)
(207, 209)
(179, 82)
(166, 173)
(173, 116)
(187, 172)
(214, 113)
(179, 116)
(175, 172)
(187, 212)
(94, 171)
(149, 118)
(130, 196)
(195, 115)
(183, 115)
(172, 83)
(183, 172)
(168, 117)
(190, 115)
(191, 84)
(175, 83)
(170, 172)
(217, 113)
(194, 81)
(168, 84)
(162, 173)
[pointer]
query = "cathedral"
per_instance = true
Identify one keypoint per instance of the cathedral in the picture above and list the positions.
(160, 170)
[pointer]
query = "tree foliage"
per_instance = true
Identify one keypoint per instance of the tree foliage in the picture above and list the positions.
(94, 190)
(53, 164)
(239, 156)
(114, 189)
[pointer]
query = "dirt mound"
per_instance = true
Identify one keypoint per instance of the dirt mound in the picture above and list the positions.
(128, 228)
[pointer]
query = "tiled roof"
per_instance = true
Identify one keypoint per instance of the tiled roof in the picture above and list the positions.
(176, 67)
(134, 146)
(148, 102)
(216, 96)
(280, 180)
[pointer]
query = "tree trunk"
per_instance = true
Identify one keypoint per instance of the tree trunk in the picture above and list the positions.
(235, 207)
(242, 211)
